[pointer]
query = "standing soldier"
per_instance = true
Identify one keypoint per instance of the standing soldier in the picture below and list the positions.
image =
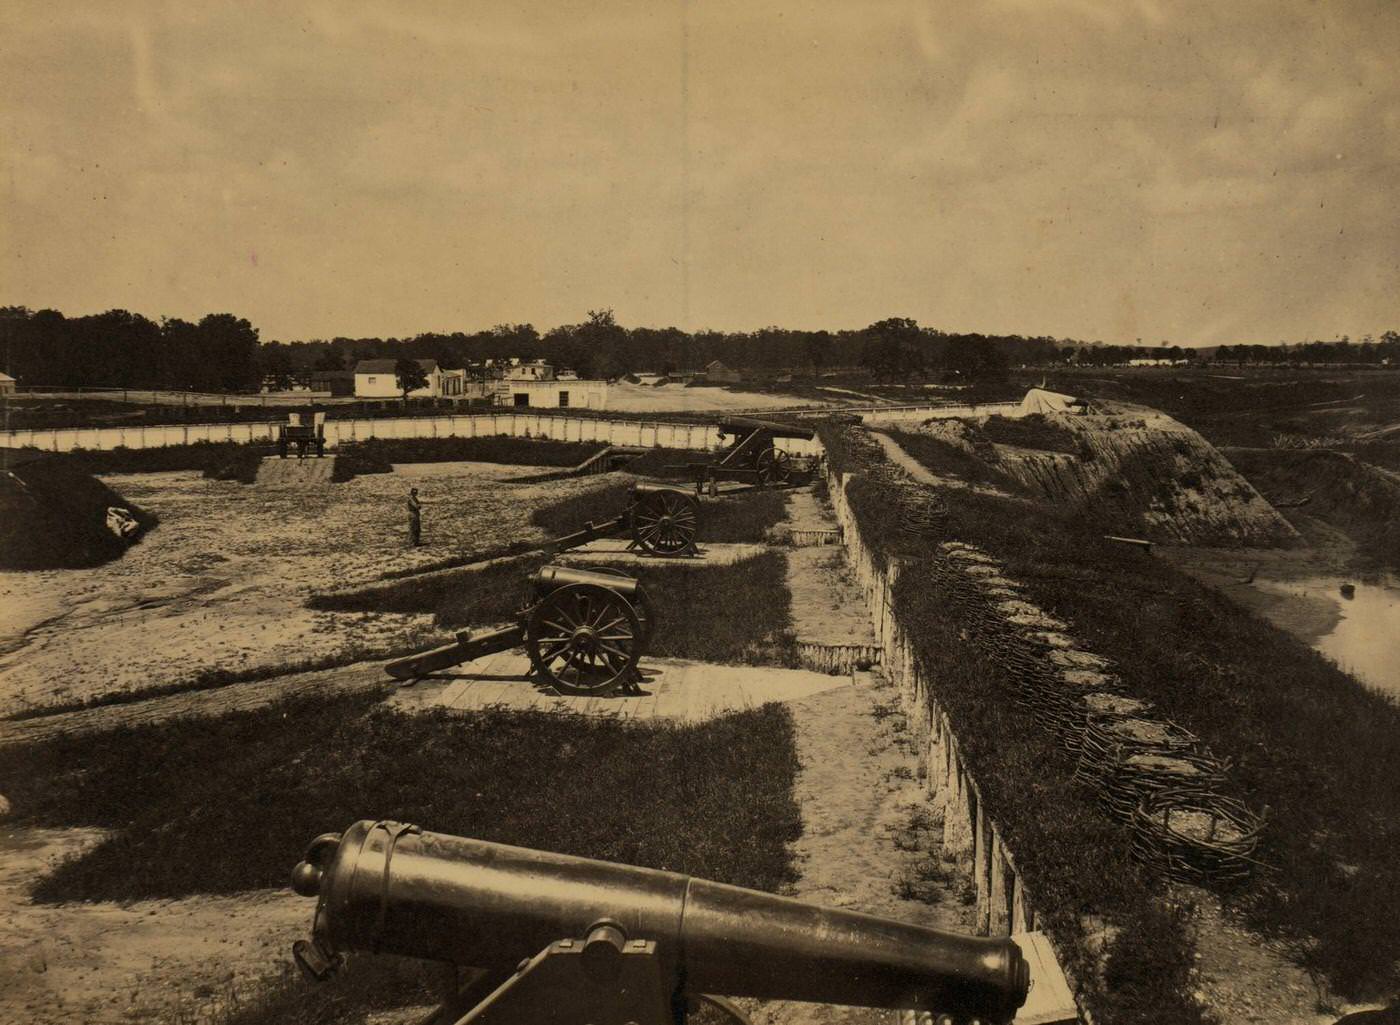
(415, 518)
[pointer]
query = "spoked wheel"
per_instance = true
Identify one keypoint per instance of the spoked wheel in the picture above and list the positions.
(665, 522)
(774, 466)
(585, 639)
(643, 606)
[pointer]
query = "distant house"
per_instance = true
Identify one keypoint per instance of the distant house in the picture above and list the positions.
(375, 379)
(1156, 362)
(7, 384)
(533, 370)
(560, 393)
(718, 373)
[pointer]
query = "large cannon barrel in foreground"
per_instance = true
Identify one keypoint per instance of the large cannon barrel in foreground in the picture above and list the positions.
(395, 889)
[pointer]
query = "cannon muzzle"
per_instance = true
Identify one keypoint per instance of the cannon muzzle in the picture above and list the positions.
(393, 888)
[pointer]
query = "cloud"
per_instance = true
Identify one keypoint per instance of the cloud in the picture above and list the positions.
(1075, 167)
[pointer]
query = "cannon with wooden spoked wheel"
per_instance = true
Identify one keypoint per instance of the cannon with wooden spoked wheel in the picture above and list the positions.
(661, 520)
(584, 631)
(751, 457)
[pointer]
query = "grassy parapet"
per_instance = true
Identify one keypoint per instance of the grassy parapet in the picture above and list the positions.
(378, 455)
(1305, 740)
(718, 804)
(732, 518)
(219, 460)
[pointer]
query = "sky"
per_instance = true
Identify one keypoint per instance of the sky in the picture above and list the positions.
(1202, 173)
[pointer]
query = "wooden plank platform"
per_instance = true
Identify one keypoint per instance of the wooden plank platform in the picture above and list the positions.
(671, 689)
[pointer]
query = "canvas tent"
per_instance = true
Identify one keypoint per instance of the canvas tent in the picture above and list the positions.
(1040, 400)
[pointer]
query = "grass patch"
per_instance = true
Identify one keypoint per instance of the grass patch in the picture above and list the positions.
(738, 613)
(465, 596)
(218, 460)
(1033, 431)
(378, 455)
(1305, 740)
(213, 679)
(949, 460)
(719, 805)
(746, 517)
(719, 794)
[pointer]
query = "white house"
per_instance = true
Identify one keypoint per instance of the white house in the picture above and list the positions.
(552, 394)
(375, 379)
(7, 384)
(533, 370)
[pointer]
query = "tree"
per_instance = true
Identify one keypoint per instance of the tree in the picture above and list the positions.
(894, 347)
(330, 359)
(230, 344)
(275, 365)
(410, 375)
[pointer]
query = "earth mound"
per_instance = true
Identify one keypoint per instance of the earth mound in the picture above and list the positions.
(53, 516)
(1132, 469)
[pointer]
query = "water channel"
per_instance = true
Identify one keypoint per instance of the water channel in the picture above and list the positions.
(1366, 640)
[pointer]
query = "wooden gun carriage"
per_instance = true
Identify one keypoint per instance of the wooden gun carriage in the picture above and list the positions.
(584, 630)
(661, 520)
(305, 431)
(751, 457)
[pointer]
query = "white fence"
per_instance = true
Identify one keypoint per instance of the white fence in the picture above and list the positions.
(642, 433)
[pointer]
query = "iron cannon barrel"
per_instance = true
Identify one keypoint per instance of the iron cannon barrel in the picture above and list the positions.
(395, 889)
(549, 578)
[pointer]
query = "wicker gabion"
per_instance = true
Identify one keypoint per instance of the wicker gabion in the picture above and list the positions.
(1196, 837)
(1105, 736)
(1151, 773)
(1065, 712)
(1103, 702)
(923, 515)
(1139, 775)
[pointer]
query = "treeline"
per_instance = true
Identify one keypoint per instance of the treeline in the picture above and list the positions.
(600, 347)
(222, 352)
(1368, 350)
(118, 349)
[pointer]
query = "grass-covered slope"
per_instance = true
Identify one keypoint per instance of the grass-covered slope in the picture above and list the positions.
(1305, 740)
(718, 804)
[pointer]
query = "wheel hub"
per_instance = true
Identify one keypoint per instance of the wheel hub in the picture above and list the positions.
(585, 640)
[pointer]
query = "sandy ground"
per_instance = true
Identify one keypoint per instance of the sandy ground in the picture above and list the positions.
(859, 793)
(670, 398)
(221, 583)
(114, 964)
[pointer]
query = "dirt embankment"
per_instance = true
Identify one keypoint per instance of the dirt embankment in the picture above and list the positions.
(55, 516)
(1322, 490)
(1134, 470)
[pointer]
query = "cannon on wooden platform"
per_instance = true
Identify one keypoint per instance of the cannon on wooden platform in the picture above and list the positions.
(751, 456)
(574, 941)
(661, 520)
(584, 631)
(307, 431)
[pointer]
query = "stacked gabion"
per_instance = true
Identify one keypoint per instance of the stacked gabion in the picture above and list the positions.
(1196, 836)
(1141, 775)
(1104, 701)
(1148, 772)
(1110, 738)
